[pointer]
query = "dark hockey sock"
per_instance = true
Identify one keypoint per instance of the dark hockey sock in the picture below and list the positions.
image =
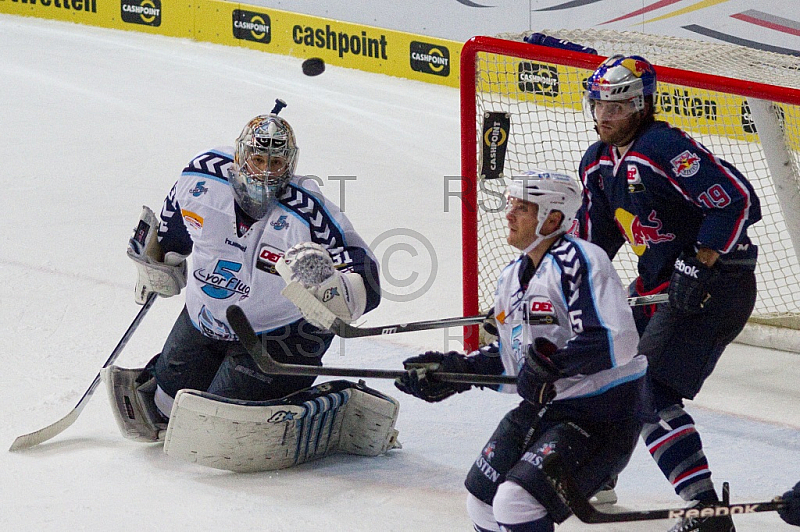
(544, 524)
(676, 447)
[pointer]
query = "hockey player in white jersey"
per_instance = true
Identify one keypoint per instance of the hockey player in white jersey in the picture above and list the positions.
(237, 211)
(566, 330)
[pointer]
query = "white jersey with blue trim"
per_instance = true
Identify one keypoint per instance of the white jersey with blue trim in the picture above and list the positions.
(226, 268)
(576, 300)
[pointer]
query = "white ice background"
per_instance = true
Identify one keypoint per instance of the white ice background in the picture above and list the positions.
(95, 123)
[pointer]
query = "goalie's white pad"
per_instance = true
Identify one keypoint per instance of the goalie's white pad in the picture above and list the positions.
(245, 436)
(310, 265)
(165, 276)
(132, 403)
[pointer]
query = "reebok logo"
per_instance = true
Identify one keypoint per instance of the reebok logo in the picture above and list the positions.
(733, 509)
(686, 269)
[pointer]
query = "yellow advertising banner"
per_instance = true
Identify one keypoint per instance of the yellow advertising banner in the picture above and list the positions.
(338, 43)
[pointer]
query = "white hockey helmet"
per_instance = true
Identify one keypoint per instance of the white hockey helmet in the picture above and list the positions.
(622, 78)
(550, 191)
(264, 162)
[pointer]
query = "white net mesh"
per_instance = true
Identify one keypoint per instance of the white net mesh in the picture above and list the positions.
(550, 130)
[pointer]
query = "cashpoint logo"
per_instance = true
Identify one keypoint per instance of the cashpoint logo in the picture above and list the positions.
(252, 26)
(430, 58)
(538, 79)
(146, 12)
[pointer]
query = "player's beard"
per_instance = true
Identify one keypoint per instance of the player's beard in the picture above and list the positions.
(619, 132)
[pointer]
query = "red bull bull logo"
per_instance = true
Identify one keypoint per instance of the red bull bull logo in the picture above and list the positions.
(641, 235)
(686, 164)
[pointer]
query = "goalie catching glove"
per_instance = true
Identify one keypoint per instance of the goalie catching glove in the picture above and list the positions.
(163, 274)
(343, 293)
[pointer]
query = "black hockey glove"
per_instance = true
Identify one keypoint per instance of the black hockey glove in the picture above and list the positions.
(688, 287)
(791, 512)
(538, 373)
(545, 40)
(420, 377)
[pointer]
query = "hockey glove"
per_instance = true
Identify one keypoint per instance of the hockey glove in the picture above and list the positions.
(420, 377)
(545, 40)
(165, 275)
(688, 286)
(538, 373)
(343, 293)
(791, 512)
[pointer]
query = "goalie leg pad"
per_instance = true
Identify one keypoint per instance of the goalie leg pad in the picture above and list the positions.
(132, 403)
(247, 436)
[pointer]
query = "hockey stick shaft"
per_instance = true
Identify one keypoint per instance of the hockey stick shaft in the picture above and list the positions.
(35, 438)
(244, 330)
(566, 487)
(311, 306)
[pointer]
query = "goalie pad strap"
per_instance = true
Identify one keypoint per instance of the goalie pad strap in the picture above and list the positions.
(336, 416)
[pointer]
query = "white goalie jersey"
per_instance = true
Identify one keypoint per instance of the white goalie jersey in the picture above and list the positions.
(233, 263)
(576, 300)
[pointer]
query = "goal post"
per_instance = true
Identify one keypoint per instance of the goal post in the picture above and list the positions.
(521, 107)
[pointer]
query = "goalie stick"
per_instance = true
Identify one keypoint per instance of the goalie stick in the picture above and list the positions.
(35, 438)
(567, 489)
(244, 330)
(311, 306)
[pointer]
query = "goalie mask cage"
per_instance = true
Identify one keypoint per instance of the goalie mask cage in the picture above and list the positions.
(521, 108)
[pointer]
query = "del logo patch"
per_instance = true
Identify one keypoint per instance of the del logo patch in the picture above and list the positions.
(686, 164)
(268, 257)
(634, 179)
(541, 312)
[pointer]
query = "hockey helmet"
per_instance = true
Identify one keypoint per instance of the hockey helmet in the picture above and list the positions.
(622, 78)
(550, 191)
(264, 162)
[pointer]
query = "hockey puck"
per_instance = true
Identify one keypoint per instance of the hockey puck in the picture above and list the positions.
(313, 66)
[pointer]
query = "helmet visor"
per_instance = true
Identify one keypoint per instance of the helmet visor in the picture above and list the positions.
(605, 110)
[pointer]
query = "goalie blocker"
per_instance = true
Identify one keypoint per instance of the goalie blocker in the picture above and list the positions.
(249, 436)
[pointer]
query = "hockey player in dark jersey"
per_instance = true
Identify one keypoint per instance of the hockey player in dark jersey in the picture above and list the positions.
(566, 331)
(685, 214)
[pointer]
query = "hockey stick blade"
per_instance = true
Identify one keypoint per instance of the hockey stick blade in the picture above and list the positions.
(244, 330)
(35, 438)
(312, 307)
(553, 467)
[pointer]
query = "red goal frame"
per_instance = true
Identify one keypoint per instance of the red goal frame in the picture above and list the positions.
(469, 137)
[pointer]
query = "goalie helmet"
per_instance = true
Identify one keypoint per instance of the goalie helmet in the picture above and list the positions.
(550, 191)
(264, 162)
(622, 78)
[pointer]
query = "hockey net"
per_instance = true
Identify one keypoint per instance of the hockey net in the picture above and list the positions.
(521, 108)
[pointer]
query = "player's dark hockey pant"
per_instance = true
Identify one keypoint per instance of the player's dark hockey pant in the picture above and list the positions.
(593, 453)
(191, 360)
(682, 351)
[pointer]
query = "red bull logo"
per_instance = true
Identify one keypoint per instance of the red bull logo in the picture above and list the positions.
(641, 235)
(686, 164)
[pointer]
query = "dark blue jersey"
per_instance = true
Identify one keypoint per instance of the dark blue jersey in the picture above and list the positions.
(666, 195)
